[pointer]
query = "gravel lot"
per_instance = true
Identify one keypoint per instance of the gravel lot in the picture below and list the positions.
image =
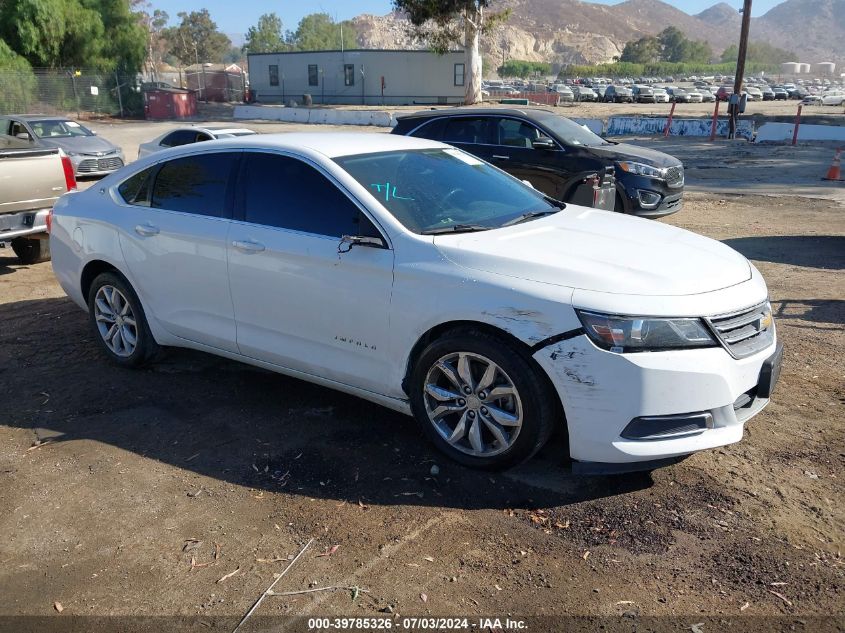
(130, 493)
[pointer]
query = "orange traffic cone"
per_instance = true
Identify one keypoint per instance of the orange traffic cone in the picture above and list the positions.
(834, 172)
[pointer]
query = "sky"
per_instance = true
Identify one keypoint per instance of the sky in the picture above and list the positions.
(237, 17)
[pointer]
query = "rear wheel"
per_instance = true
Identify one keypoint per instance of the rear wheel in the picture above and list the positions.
(30, 250)
(481, 401)
(118, 321)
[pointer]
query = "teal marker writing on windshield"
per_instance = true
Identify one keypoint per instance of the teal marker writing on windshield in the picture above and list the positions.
(389, 192)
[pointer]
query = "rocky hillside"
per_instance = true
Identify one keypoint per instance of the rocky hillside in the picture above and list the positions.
(573, 32)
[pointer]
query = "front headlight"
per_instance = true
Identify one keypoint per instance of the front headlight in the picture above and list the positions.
(643, 334)
(640, 169)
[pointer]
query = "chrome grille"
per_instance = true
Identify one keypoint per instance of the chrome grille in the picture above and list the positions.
(675, 176)
(745, 332)
(91, 165)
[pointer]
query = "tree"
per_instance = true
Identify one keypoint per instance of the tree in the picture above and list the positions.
(196, 38)
(34, 29)
(760, 53)
(675, 47)
(101, 34)
(124, 40)
(319, 32)
(642, 51)
(266, 37)
(17, 83)
(446, 23)
(672, 44)
(522, 68)
(157, 47)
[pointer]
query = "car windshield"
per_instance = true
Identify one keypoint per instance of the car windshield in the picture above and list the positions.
(59, 128)
(444, 190)
(570, 133)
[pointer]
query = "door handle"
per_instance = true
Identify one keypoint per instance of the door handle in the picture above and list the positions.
(248, 246)
(146, 230)
(499, 157)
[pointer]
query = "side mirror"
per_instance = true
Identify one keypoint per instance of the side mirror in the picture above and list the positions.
(23, 136)
(527, 182)
(348, 241)
(544, 142)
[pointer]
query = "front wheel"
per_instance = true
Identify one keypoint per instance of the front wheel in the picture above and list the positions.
(619, 206)
(118, 321)
(481, 400)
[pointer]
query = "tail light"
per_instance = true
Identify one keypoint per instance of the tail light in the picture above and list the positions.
(70, 179)
(49, 221)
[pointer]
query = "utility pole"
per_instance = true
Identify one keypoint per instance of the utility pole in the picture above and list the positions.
(733, 107)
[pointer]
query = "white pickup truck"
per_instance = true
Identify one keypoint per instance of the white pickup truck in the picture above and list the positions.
(31, 180)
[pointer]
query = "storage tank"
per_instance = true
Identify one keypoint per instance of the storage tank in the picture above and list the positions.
(790, 68)
(804, 68)
(825, 68)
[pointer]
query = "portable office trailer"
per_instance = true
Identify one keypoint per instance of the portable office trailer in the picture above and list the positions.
(359, 76)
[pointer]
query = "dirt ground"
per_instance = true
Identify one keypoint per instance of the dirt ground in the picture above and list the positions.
(180, 489)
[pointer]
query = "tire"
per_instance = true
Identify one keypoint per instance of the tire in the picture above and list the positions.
(132, 323)
(619, 207)
(527, 405)
(30, 250)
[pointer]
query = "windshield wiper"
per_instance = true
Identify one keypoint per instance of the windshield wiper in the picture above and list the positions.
(528, 216)
(560, 204)
(455, 228)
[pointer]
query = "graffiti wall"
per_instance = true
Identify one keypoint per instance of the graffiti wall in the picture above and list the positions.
(648, 126)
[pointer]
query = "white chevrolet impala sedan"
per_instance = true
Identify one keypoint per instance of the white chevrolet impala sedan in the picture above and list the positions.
(412, 274)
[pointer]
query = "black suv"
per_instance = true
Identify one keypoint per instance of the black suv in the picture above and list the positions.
(551, 152)
(618, 94)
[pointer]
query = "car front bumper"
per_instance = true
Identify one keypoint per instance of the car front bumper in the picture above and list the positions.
(634, 188)
(604, 394)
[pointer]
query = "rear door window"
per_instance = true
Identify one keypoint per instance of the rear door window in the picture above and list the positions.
(433, 130)
(464, 129)
(288, 193)
(135, 190)
(195, 184)
(179, 137)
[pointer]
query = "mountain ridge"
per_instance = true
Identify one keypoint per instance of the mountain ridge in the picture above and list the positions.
(576, 32)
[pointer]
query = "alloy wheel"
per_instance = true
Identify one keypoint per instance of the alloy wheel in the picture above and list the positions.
(473, 404)
(115, 321)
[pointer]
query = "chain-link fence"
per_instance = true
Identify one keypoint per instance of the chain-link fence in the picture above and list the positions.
(54, 91)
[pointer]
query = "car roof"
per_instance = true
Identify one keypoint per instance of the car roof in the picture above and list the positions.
(37, 117)
(216, 130)
(537, 113)
(331, 144)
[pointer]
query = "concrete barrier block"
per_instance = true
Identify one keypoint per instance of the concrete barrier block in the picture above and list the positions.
(782, 132)
(257, 112)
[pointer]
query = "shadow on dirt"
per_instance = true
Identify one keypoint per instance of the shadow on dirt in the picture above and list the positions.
(250, 427)
(813, 310)
(819, 251)
(9, 262)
